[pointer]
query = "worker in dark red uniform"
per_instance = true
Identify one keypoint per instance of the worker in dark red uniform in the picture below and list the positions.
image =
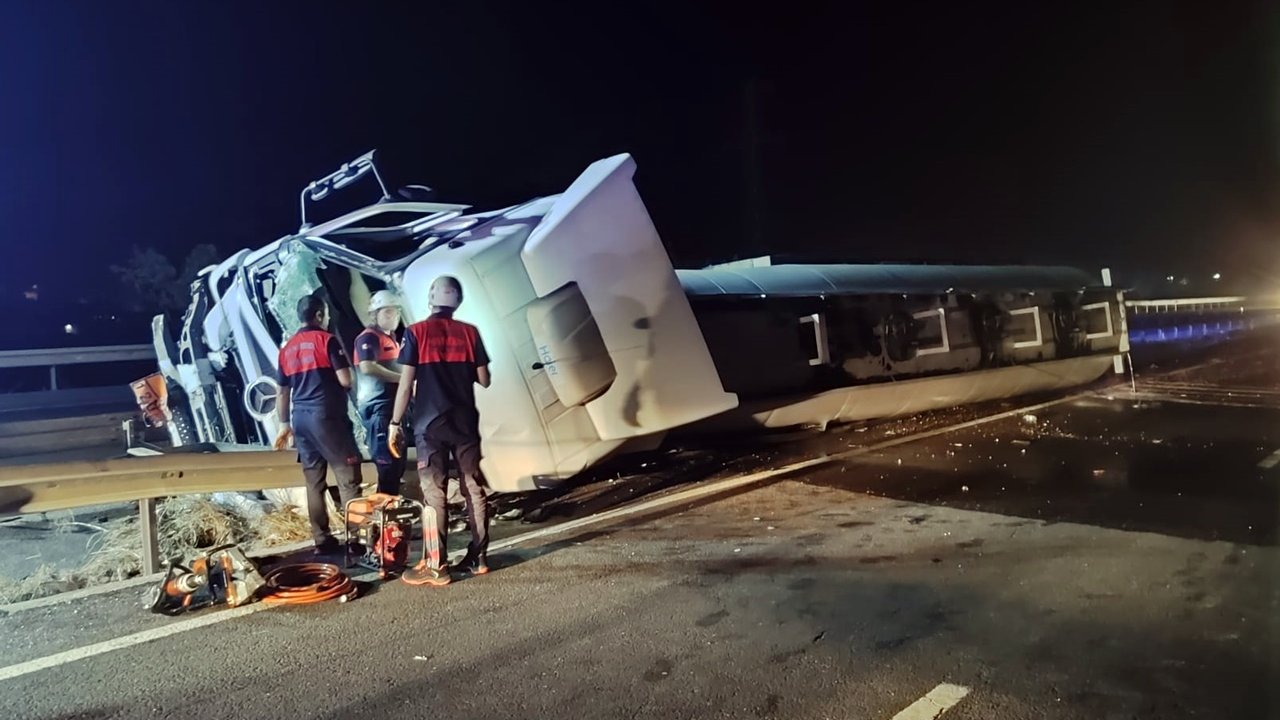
(443, 361)
(314, 375)
(376, 354)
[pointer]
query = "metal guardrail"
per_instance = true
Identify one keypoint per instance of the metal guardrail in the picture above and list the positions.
(63, 486)
(55, 357)
(1188, 304)
(1198, 304)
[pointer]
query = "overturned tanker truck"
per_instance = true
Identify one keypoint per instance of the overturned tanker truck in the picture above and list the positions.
(599, 347)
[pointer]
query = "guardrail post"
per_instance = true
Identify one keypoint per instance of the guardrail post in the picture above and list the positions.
(150, 526)
(53, 377)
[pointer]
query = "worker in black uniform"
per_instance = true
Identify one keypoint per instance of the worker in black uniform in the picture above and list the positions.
(376, 354)
(314, 375)
(443, 360)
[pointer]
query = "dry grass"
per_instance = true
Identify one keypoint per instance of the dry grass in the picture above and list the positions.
(194, 522)
(282, 526)
(43, 582)
(187, 525)
(114, 554)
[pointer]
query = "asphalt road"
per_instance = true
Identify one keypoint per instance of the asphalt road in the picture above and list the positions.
(1104, 559)
(1110, 557)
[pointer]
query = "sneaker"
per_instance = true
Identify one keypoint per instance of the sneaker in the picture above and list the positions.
(421, 574)
(474, 566)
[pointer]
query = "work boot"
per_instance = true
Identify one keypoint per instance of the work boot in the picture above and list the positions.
(474, 565)
(328, 546)
(423, 574)
(354, 552)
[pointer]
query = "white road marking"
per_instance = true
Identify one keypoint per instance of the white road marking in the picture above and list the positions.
(684, 496)
(1181, 400)
(1217, 389)
(934, 703)
(1270, 461)
(88, 651)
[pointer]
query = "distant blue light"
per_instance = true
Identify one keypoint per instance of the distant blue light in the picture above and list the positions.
(1189, 331)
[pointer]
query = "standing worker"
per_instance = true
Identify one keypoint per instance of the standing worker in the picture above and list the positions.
(443, 360)
(379, 375)
(314, 375)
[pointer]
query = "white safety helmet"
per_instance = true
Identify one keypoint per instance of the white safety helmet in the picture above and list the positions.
(383, 299)
(446, 292)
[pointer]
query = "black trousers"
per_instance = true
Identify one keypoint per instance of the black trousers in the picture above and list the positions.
(458, 435)
(323, 437)
(377, 422)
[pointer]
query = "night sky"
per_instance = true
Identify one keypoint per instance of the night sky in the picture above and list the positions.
(1144, 136)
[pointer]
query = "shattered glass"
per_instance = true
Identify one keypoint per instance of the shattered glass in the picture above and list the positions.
(298, 277)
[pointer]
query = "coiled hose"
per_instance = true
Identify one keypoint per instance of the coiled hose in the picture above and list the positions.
(306, 583)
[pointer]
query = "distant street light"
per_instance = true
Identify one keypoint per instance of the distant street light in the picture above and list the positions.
(1217, 276)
